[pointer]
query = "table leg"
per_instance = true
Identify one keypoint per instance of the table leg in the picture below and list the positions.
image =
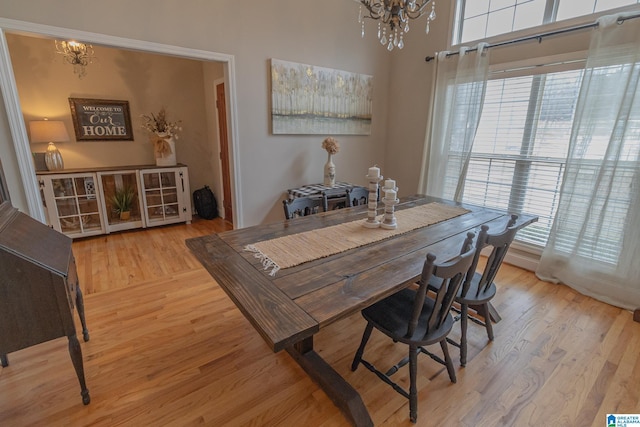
(345, 397)
(76, 359)
(80, 307)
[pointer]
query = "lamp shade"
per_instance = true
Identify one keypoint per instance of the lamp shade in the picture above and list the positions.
(48, 131)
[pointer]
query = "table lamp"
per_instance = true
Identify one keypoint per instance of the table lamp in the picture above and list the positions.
(50, 131)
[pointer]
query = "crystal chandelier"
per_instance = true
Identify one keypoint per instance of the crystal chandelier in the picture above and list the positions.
(77, 54)
(396, 15)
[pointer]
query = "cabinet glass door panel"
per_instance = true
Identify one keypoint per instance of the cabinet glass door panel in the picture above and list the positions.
(62, 187)
(154, 205)
(168, 179)
(77, 208)
(162, 190)
(121, 195)
(171, 211)
(66, 206)
(70, 225)
(169, 196)
(91, 223)
(87, 206)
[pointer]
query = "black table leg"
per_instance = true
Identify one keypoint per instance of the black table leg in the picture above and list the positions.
(343, 395)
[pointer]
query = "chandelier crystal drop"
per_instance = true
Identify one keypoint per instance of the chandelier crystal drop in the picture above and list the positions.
(77, 54)
(395, 14)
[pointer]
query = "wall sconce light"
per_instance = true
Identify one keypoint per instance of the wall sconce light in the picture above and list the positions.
(50, 131)
(77, 54)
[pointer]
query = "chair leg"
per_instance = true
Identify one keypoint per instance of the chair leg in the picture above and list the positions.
(413, 389)
(464, 320)
(487, 321)
(448, 361)
(365, 337)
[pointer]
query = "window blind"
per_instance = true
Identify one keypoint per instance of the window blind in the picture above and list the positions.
(520, 151)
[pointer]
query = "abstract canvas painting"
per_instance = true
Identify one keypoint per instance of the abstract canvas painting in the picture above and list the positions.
(306, 99)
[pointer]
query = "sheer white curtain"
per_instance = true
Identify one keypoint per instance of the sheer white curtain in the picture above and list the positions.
(594, 245)
(461, 82)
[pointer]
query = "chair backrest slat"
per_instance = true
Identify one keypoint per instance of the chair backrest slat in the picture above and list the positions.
(451, 273)
(500, 243)
(357, 196)
(303, 206)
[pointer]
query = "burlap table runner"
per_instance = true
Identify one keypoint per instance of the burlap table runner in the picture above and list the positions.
(295, 249)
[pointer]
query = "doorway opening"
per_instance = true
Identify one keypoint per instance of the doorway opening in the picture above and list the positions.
(15, 116)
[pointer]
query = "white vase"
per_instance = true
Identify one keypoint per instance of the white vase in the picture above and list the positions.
(330, 172)
(164, 157)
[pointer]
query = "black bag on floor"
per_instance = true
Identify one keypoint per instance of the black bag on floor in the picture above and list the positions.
(205, 203)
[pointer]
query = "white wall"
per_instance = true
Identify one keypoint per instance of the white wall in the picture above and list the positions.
(147, 81)
(321, 33)
(324, 34)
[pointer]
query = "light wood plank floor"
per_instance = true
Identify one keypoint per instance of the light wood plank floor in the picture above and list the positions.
(169, 348)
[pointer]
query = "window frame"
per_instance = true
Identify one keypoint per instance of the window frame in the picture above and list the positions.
(549, 24)
(523, 162)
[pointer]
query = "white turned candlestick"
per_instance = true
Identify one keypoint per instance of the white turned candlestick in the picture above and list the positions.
(389, 200)
(374, 178)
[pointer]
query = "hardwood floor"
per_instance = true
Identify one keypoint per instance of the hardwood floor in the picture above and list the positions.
(168, 347)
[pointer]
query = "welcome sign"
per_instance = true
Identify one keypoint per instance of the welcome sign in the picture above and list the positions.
(101, 119)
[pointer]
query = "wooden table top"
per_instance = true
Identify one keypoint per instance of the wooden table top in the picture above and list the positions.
(298, 301)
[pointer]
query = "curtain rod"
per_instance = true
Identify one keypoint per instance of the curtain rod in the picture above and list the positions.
(540, 36)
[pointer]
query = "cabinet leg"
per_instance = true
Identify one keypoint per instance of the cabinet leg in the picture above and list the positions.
(76, 359)
(80, 306)
(4, 360)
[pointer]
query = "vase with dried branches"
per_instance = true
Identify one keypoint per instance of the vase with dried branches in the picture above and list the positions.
(332, 147)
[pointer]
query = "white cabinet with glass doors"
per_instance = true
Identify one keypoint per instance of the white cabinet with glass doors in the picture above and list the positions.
(87, 202)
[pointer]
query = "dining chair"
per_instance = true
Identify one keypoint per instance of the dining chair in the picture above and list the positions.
(337, 197)
(357, 196)
(413, 318)
(303, 206)
(478, 288)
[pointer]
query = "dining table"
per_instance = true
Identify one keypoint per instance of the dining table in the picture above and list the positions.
(289, 302)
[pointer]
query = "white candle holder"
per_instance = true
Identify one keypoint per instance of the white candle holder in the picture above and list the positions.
(389, 220)
(372, 204)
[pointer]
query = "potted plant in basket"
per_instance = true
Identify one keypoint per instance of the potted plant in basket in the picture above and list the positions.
(122, 202)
